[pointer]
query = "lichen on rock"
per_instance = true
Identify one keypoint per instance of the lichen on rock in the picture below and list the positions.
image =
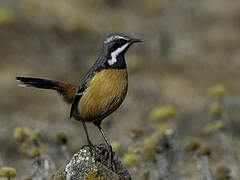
(80, 165)
(83, 163)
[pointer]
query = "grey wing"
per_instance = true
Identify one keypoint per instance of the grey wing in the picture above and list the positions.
(76, 99)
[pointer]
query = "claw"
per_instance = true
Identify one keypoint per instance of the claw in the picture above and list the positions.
(92, 148)
(110, 156)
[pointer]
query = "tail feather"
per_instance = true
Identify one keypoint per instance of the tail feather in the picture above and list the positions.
(67, 90)
(38, 82)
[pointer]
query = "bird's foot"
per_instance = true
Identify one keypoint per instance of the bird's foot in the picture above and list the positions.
(110, 156)
(92, 148)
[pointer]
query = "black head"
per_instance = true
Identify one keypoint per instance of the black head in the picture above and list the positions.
(116, 44)
(118, 40)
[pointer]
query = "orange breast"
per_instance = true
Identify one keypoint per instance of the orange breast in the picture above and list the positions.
(105, 93)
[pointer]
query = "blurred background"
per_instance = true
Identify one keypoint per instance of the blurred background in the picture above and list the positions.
(188, 47)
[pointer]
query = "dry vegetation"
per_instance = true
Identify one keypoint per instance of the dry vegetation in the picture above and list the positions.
(180, 119)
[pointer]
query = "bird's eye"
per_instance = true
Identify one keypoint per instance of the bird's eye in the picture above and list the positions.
(119, 41)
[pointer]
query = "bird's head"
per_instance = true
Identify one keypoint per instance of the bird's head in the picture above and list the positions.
(116, 44)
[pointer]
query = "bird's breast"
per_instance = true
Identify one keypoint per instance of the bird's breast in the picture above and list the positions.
(105, 93)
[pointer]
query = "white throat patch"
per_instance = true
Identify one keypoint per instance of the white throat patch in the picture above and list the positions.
(115, 53)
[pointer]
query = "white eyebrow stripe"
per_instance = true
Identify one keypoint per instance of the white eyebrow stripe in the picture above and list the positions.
(111, 38)
(115, 53)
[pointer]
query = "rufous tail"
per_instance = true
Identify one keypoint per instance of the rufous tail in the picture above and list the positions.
(67, 90)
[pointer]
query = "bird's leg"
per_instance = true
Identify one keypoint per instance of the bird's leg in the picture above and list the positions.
(110, 152)
(91, 146)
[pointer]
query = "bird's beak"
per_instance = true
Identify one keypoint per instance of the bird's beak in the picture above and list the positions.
(136, 40)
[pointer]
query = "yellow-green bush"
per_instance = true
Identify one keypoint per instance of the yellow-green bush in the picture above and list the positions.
(61, 138)
(223, 173)
(163, 113)
(131, 160)
(149, 147)
(220, 125)
(217, 91)
(8, 172)
(163, 128)
(215, 109)
(24, 148)
(116, 146)
(149, 152)
(30, 8)
(19, 133)
(192, 145)
(204, 151)
(137, 148)
(35, 136)
(6, 17)
(151, 141)
(136, 133)
(35, 152)
(208, 129)
(214, 127)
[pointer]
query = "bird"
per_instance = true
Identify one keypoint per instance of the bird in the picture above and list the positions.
(101, 91)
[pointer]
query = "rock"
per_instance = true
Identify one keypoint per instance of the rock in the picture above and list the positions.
(84, 166)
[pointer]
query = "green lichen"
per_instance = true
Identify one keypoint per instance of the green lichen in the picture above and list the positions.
(93, 175)
(81, 164)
